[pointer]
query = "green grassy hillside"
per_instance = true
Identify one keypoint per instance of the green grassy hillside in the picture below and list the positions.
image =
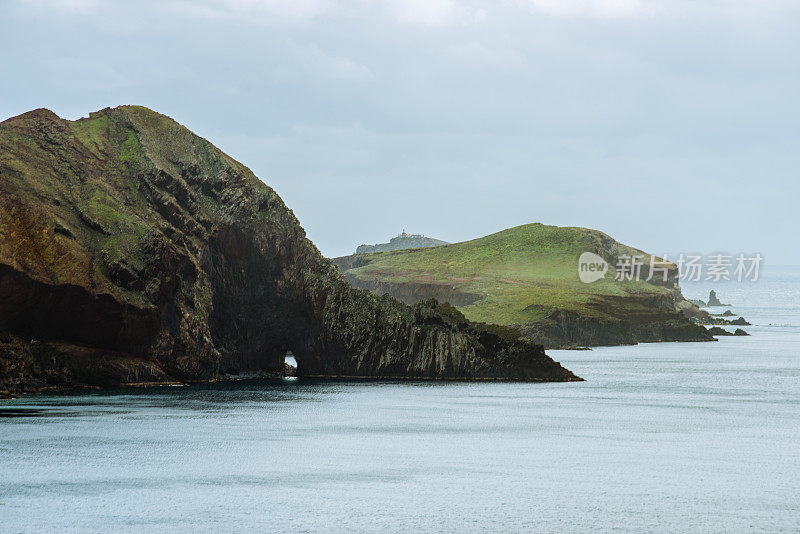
(521, 273)
(520, 276)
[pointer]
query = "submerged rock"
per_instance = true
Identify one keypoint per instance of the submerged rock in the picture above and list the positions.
(133, 250)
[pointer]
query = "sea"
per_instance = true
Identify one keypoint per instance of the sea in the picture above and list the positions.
(664, 437)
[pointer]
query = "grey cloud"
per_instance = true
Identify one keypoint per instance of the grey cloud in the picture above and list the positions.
(652, 123)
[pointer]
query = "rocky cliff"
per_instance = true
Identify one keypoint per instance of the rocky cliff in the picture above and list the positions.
(132, 250)
(623, 321)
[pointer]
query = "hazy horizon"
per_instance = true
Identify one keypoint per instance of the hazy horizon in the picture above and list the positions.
(670, 126)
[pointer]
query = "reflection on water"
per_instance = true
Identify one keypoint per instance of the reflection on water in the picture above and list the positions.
(31, 412)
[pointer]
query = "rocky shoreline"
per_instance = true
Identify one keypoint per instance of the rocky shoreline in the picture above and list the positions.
(568, 330)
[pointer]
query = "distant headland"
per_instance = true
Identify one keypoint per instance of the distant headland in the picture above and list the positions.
(402, 241)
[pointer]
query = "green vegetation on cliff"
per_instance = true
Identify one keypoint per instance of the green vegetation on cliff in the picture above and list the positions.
(521, 276)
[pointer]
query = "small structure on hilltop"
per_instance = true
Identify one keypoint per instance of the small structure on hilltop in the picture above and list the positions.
(402, 241)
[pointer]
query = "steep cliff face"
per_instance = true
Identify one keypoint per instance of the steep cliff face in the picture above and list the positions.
(627, 321)
(132, 250)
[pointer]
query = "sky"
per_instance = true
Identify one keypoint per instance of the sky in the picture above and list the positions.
(671, 125)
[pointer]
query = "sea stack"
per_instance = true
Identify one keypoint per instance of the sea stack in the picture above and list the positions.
(713, 300)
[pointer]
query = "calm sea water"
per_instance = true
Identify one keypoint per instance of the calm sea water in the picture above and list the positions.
(699, 437)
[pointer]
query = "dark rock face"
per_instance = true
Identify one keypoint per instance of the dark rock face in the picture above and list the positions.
(660, 322)
(132, 250)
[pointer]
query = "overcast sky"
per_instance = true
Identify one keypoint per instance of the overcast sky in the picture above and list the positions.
(672, 125)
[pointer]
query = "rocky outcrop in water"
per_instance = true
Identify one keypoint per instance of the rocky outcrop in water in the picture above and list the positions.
(713, 300)
(719, 319)
(132, 250)
(717, 331)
